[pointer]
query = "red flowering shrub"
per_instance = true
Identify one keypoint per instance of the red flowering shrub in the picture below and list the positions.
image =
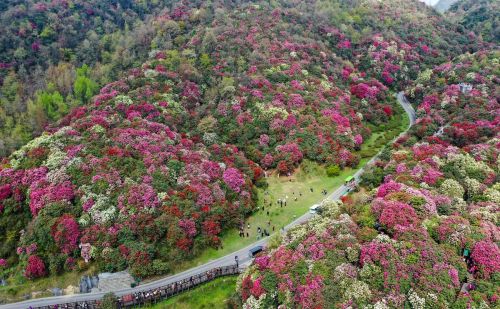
(5, 191)
(246, 287)
(66, 233)
(35, 267)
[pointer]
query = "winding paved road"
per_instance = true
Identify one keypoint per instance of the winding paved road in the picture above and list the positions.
(223, 261)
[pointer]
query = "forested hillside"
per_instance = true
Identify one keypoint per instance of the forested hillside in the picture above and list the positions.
(480, 16)
(45, 43)
(160, 121)
(55, 55)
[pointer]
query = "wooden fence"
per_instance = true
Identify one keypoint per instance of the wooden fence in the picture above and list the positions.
(152, 296)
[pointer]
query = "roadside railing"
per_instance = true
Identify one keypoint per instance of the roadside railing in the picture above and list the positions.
(152, 296)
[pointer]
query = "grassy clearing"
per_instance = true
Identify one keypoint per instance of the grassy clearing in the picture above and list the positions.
(210, 295)
(40, 287)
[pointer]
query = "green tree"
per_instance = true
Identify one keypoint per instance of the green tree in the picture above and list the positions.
(84, 86)
(205, 61)
(52, 102)
(333, 170)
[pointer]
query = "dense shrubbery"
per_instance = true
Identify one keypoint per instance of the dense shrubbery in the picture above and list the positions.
(403, 244)
(333, 170)
(151, 168)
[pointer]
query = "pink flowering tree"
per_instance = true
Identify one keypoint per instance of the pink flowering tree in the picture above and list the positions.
(191, 92)
(188, 226)
(358, 140)
(486, 255)
(267, 161)
(309, 295)
(233, 179)
(296, 101)
(290, 152)
(388, 187)
(40, 197)
(397, 213)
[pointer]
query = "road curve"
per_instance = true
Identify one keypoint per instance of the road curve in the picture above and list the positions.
(223, 261)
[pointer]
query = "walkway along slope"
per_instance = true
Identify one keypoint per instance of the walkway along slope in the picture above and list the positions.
(223, 261)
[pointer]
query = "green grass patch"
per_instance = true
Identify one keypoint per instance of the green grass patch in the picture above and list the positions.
(213, 294)
(19, 286)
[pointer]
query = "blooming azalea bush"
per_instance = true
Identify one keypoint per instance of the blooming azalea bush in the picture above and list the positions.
(487, 257)
(35, 267)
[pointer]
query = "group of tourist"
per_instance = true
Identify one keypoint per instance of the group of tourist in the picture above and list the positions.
(245, 232)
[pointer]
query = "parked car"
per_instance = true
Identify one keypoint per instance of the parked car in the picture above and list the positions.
(314, 209)
(254, 251)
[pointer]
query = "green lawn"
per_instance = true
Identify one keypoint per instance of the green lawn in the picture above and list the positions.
(16, 291)
(219, 291)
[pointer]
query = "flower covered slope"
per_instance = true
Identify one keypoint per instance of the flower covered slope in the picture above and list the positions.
(118, 177)
(165, 158)
(428, 236)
